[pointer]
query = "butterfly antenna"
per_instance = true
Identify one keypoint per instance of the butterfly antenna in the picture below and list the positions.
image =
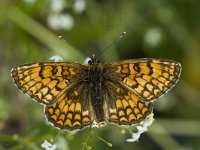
(61, 38)
(64, 40)
(112, 43)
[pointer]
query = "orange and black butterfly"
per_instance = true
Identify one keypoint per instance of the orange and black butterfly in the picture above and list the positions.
(76, 95)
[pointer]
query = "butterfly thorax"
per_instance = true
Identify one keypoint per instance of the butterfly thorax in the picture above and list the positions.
(95, 71)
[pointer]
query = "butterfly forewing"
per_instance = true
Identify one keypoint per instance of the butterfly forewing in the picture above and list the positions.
(148, 79)
(45, 82)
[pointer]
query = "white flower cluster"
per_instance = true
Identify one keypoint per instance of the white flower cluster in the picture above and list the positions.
(142, 127)
(153, 37)
(58, 20)
(48, 146)
(56, 58)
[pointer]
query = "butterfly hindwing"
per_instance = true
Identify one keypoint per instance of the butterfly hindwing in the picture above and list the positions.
(72, 110)
(123, 107)
(148, 79)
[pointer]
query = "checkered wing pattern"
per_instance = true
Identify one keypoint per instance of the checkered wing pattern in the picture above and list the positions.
(58, 86)
(73, 109)
(123, 107)
(46, 82)
(148, 79)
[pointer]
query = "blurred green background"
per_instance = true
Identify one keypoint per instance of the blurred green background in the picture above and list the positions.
(168, 29)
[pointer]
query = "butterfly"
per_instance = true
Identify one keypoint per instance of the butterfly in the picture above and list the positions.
(75, 95)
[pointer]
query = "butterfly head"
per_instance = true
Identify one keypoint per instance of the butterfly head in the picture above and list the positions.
(93, 60)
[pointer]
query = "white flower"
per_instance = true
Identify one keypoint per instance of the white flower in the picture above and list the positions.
(79, 6)
(95, 124)
(135, 137)
(57, 5)
(48, 146)
(142, 127)
(153, 37)
(86, 60)
(60, 21)
(62, 143)
(148, 121)
(56, 58)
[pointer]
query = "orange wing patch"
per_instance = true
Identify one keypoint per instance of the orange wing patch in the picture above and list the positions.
(125, 108)
(68, 114)
(148, 79)
(45, 81)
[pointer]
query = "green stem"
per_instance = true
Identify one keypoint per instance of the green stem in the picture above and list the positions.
(52, 41)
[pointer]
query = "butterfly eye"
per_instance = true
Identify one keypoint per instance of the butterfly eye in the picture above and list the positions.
(90, 62)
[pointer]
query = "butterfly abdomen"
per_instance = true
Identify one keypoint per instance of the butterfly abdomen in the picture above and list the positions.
(95, 76)
(97, 103)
